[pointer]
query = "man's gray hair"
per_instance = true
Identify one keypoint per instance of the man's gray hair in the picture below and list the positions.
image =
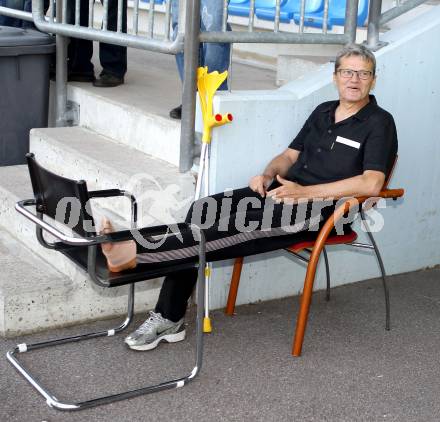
(357, 50)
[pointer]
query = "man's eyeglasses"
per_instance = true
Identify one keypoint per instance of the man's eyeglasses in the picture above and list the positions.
(349, 73)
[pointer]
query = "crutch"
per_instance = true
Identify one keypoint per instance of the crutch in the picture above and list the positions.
(207, 84)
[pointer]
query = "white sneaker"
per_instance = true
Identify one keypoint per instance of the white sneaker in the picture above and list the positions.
(155, 329)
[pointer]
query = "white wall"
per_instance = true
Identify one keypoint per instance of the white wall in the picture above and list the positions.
(408, 86)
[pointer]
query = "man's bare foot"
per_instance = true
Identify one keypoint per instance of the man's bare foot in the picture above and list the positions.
(120, 255)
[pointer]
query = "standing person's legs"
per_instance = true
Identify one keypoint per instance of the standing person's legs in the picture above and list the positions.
(176, 113)
(80, 52)
(113, 58)
(214, 55)
(175, 27)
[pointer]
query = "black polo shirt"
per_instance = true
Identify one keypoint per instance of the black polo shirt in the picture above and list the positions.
(334, 151)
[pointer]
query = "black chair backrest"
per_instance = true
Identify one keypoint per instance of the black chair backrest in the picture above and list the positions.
(65, 200)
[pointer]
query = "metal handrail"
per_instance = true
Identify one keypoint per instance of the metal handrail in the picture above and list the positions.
(188, 39)
(102, 35)
(14, 13)
(399, 10)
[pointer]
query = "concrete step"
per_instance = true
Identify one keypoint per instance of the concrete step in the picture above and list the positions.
(136, 113)
(15, 186)
(35, 296)
(118, 115)
(40, 288)
(27, 287)
(163, 194)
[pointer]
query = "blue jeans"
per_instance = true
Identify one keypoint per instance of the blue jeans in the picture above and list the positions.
(213, 55)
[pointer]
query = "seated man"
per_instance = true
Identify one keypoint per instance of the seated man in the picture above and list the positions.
(345, 149)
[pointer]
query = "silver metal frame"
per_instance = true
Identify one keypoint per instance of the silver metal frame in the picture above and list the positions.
(51, 400)
(21, 207)
(103, 35)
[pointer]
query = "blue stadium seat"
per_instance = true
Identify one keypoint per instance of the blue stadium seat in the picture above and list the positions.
(336, 15)
(155, 1)
(241, 7)
(288, 9)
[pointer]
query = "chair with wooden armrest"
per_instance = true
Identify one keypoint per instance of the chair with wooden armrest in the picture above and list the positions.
(314, 247)
(66, 202)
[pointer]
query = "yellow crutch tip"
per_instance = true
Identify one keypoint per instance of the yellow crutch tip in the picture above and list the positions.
(207, 327)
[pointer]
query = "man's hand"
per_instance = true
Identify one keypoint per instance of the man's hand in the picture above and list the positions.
(289, 192)
(260, 184)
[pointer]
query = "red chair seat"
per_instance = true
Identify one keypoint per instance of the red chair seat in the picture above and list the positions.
(331, 240)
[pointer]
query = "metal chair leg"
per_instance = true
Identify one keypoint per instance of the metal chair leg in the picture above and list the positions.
(327, 275)
(382, 270)
(52, 401)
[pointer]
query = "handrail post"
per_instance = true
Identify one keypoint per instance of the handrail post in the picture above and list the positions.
(351, 20)
(374, 13)
(61, 71)
(191, 60)
(61, 80)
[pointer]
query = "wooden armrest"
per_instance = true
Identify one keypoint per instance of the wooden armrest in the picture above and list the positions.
(392, 193)
(385, 193)
(346, 207)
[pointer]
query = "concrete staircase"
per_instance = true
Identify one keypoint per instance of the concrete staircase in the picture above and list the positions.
(125, 139)
(38, 287)
(47, 289)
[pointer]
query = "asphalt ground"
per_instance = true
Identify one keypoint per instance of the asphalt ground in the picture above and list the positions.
(351, 368)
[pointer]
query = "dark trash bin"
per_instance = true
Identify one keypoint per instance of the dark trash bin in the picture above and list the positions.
(25, 55)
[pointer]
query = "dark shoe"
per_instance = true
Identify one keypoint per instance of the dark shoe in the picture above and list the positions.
(106, 80)
(176, 113)
(80, 77)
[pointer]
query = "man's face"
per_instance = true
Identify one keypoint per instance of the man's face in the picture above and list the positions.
(354, 89)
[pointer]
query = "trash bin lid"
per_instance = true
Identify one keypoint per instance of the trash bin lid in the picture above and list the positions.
(24, 41)
(10, 37)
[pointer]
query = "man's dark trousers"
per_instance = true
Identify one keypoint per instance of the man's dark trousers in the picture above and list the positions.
(225, 240)
(113, 58)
